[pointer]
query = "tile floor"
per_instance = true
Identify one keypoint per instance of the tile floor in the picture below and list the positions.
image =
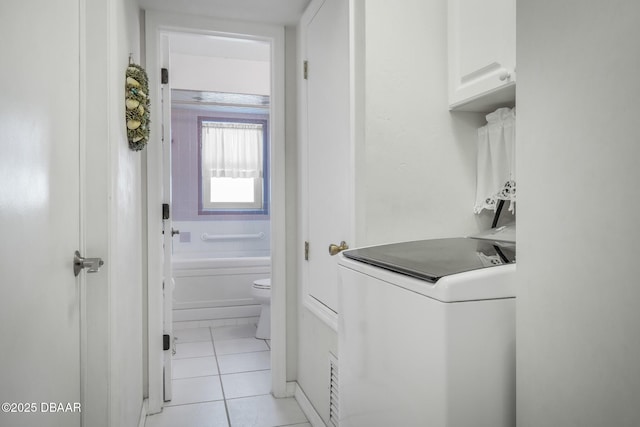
(222, 377)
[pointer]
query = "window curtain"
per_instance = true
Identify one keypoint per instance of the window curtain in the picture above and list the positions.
(232, 150)
(496, 172)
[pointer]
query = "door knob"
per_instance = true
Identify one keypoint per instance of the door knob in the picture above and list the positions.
(335, 249)
(91, 264)
(174, 232)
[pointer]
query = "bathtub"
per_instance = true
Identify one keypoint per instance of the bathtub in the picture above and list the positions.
(216, 288)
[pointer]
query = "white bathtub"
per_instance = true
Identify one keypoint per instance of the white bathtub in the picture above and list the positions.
(216, 288)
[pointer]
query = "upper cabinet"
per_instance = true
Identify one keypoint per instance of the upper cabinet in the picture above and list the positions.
(482, 54)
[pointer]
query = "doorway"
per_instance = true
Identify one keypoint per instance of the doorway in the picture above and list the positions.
(219, 174)
(159, 26)
(218, 167)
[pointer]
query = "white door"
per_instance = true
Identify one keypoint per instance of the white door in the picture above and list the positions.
(168, 231)
(329, 145)
(39, 212)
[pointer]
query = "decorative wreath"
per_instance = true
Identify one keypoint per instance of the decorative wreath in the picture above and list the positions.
(137, 107)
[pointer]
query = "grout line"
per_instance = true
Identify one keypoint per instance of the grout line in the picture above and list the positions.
(224, 398)
(250, 396)
(188, 404)
(194, 357)
(245, 352)
(246, 372)
(197, 376)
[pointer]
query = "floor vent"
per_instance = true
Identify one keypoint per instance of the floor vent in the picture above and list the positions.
(333, 391)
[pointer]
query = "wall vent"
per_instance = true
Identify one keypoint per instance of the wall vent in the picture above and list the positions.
(333, 391)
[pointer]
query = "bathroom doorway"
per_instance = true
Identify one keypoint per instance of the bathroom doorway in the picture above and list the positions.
(214, 84)
(218, 164)
(219, 174)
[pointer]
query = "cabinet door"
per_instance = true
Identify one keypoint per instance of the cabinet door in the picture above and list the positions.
(328, 146)
(482, 41)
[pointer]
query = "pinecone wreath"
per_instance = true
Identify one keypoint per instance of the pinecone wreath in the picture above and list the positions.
(137, 107)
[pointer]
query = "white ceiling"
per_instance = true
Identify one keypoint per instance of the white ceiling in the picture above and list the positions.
(280, 12)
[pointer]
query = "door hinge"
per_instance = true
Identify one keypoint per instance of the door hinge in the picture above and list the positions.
(306, 251)
(305, 68)
(164, 76)
(166, 342)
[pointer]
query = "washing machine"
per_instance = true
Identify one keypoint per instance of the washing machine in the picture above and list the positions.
(426, 334)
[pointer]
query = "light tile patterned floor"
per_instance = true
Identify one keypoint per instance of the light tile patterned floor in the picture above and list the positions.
(222, 377)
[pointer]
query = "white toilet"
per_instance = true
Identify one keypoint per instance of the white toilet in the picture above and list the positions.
(261, 291)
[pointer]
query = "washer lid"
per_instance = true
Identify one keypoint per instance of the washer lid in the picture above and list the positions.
(431, 260)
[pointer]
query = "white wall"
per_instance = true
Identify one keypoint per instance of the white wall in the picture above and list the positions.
(220, 74)
(420, 160)
(190, 244)
(578, 273)
(125, 249)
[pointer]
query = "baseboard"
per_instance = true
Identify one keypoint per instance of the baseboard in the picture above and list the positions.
(291, 388)
(143, 413)
(306, 406)
(213, 313)
(214, 323)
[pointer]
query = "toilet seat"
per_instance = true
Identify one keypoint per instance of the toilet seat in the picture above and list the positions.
(262, 284)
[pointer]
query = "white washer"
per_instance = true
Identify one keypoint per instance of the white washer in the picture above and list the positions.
(426, 334)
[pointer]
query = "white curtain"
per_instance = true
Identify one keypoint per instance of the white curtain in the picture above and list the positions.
(496, 173)
(232, 150)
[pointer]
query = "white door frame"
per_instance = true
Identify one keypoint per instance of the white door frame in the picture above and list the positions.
(167, 227)
(98, 98)
(156, 24)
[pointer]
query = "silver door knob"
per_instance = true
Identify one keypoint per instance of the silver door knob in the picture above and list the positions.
(91, 264)
(174, 232)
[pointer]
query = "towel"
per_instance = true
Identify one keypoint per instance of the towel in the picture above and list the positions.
(496, 173)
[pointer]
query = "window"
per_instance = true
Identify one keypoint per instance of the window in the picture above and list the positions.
(233, 166)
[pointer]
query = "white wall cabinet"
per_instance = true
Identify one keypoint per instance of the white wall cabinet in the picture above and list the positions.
(482, 54)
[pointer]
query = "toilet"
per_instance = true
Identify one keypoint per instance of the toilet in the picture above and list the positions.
(261, 291)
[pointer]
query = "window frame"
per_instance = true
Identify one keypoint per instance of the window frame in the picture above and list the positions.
(261, 184)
